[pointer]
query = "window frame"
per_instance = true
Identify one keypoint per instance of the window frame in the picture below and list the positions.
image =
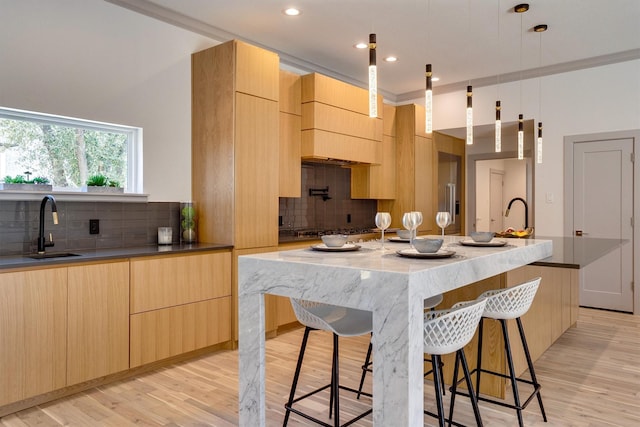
(133, 134)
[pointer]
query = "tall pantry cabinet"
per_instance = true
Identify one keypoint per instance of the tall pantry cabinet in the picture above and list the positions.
(235, 143)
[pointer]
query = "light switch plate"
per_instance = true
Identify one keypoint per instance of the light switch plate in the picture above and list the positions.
(94, 226)
(549, 198)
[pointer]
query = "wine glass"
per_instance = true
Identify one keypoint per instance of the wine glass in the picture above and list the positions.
(383, 221)
(418, 220)
(443, 219)
(409, 222)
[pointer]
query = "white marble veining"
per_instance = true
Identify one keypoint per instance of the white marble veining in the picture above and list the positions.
(392, 287)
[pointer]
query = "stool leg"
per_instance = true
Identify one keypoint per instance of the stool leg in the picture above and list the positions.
(512, 375)
(365, 368)
(454, 386)
(479, 356)
(335, 385)
(530, 365)
(472, 395)
(296, 376)
(435, 362)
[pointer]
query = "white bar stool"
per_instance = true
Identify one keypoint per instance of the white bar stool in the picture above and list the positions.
(448, 331)
(429, 304)
(504, 304)
(341, 321)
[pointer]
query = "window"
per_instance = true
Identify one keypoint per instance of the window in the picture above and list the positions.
(67, 151)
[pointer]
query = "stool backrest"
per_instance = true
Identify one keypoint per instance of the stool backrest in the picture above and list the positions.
(510, 303)
(446, 331)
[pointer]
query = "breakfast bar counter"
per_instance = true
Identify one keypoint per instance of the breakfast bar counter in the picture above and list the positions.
(391, 287)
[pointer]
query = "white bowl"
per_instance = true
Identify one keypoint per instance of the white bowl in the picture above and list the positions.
(427, 246)
(334, 240)
(482, 236)
(404, 234)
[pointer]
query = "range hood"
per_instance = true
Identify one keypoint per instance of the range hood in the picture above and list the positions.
(336, 127)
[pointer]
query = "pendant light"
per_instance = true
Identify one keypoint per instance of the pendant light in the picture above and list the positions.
(469, 116)
(520, 137)
(498, 125)
(428, 101)
(469, 88)
(540, 29)
(428, 92)
(521, 8)
(373, 78)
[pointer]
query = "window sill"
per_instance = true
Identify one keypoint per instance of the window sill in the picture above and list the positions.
(74, 196)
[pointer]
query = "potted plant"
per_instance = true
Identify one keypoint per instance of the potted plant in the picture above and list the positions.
(102, 184)
(22, 183)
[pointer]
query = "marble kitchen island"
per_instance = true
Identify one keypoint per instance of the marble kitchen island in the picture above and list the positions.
(392, 287)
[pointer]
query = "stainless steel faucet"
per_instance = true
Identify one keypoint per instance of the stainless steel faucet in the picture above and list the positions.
(42, 243)
(526, 210)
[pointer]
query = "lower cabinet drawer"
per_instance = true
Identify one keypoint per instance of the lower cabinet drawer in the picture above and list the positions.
(158, 334)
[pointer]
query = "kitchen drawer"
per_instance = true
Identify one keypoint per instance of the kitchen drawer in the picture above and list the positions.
(158, 334)
(166, 281)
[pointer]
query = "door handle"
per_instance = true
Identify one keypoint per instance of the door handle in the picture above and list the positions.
(581, 233)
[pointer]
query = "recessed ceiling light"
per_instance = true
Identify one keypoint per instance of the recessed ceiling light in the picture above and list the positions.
(361, 45)
(391, 59)
(292, 11)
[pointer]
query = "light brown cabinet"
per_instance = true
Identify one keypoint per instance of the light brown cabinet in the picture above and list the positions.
(235, 146)
(378, 181)
(336, 122)
(179, 303)
(414, 169)
(33, 333)
(290, 167)
(98, 320)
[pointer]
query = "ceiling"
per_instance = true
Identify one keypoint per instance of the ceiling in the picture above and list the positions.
(466, 41)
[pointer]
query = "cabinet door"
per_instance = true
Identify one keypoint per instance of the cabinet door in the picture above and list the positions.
(256, 172)
(167, 281)
(33, 341)
(424, 182)
(98, 331)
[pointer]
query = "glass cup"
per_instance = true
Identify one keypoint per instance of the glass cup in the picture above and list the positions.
(165, 235)
(383, 221)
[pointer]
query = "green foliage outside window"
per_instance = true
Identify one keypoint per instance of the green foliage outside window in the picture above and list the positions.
(66, 155)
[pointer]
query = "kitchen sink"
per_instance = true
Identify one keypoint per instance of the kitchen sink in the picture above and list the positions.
(52, 255)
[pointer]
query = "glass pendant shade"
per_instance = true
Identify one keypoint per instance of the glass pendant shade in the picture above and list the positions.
(539, 154)
(428, 101)
(373, 78)
(469, 116)
(520, 137)
(498, 139)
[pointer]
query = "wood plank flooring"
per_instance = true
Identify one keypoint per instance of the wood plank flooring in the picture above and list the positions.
(590, 377)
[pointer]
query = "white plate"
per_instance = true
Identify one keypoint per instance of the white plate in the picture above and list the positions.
(345, 248)
(492, 243)
(412, 253)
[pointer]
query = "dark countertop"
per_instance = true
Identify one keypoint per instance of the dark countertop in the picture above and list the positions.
(577, 252)
(23, 261)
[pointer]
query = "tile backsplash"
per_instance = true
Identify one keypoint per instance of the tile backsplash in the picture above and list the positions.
(121, 225)
(312, 212)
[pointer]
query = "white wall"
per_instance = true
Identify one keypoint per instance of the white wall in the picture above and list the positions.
(94, 60)
(599, 99)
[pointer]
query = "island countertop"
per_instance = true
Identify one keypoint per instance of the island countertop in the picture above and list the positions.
(391, 287)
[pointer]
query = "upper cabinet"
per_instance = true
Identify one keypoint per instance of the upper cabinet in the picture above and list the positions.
(336, 122)
(235, 144)
(415, 174)
(378, 181)
(290, 169)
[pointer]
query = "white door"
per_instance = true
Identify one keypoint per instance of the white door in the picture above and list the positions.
(603, 208)
(496, 201)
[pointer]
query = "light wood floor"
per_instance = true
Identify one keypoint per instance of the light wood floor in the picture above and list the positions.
(590, 377)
